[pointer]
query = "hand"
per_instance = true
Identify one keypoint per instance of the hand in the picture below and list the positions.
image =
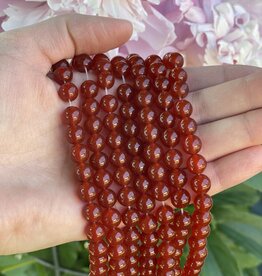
(38, 202)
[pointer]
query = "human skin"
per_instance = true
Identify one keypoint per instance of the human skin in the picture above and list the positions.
(39, 206)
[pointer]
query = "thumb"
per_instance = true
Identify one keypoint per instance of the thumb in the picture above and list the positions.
(64, 36)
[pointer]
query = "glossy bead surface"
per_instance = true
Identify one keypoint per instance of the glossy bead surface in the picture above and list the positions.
(173, 60)
(80, 153)
(84, 172)
(89, 89)
(125, 92)
(75, 134)
(98, 249)
(127, 196)
(95, 232)
(88, 192)
(109, 103)
(95, 142)
(138, 165)
(93, 125)
(117, 251)
(105, 80)
(82, 62)
(132, 235)
(130, 217)
(144, 98)
(149, 133)
(134, 146)
(200, 183)
(181, 198)
(72, 115)
(90, 107)
(68, 92)
(107, 198)
(146, 115)
(99, 160)
(196, 163)
(173, 158)
(142, 183)
(170, 137)
(191, 144)
(150, 239)
(178, 178)
(92, 212)
(165, 214)
(182, 108)
(166, 120)
(156, 172)
(166, 232)
(160, 191)
(178, 74)
(153, 152)
(63, 75)
(148, 224)
(111, 217)
(61, 63)
(145, 203)
(121, 68)
(161, 83)
(128, 111)
(142, 83)
(123, 176)
(114, 140)
(165, 100)
(130, 128)
(187, 126)
(182, 220)
(201, 218)
(115, 236)
(102, 178)
(152, 59)
(118, 157)
(203, 202)
(137, 70)
(157, 69)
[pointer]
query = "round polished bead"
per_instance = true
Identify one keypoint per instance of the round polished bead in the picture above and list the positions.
(173, 158)
(170, 137)
(147, 272)
(134, 146)
(130, 128)
(116, 59)
(112, 121)
(61, 63)
(127, 111)
(191, 144)
(149, 133)
(196, 163)
(97, 261)
(178, 74)
(150, 239)
(166, 232)
(166, 263)
(95, 232)
(166, 119)
(82, 62)
(181, 198)
(111, 217)
(137, 70)
(182, 233)
(88, 192)
(117, 251)
(132, 250)
(115, 236)
(132, 235)
(123, 176)
(152, 59)
(127, 196)
(132, 260)
(105, 80)
(130, 217)
(107, 198)
(144, 98)
(84, 172)
(109, 103)
(203, 202)
(200, 254)
(153, 152)
(133, 270)
(68, 92)
(148, 224)
(89, 89)
(147, 260)
(201, 218)
(75, 134)
(148, 252)
(179, 90)
(63, 75)
(166, 249)
(142, 82)
(114, 140)
(182, 108)
(156, 172)
(102, 178)
(182, 219)
(145, 203)
(98, 160)
(99, 56)
(165, 100)
(178, 178)
(90, 107)
(95, 142)
(92, 212)
(146, 115)
(118, 265)
(161, 83)
(200, 183)
(80, 153)
(125, 92)
(102, 65)
(160, 191)
(121, 69)
(118, 157)
(201, 232)
(196, 243)
(142, 183)
(173, 60)
(93, 124)
(138, 165)
(134, 59)
(157, 69)
(72, 115)
(165, 214)
(187, 126)
(98, 248)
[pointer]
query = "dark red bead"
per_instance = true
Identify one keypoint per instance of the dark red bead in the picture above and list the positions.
(165, 214)
(88, 192)
(153, 152)
(115, 236)
(203, 202)
(166, 263)
(148, 223)
(138, 165)
(92, 212)
(196, 243)
(201, 232)
(161, 83)
(152, 59)
(150, 239)
(63, 75)
(200, 183)
(98, 249)
(181, 198)
(118, 157)
(170, 137)
(166, 120)
(201, 218)
(95, 142)
(90, 107)
(182, 219)
(89, 89)
(149, 133)
(72, 115)
(75, 134)
(145, 203)
(111, 217)
(117, 251)
(109, 103)
(98, 160)
(144, 98)
(116, 59)
(165, 100)
(123, 176)
(68, 92)
(134, 59)
(173, 158)
(166, 249)
(166, 232)
(130, 217)
(127, 196)
(157, 69)
(130, 128)
(142, 183)
(142, 82)
(125, 92)
(182, 108)
(114, 140)
(80, 153)
(132, 235)
(99, 56)
(128, 111)
(82, 62)
(112, 121)
(134, 146)
(105, 80)
(107, 198)
(102, 178)
(93, 125)
(121, 69)
(178, 74)
(137, 70)
(172, 60)
(102, 65)
(84, 172)
(156, 172)
(178, 178)
(179, 90)
(61, 63)
(95, 232)
(191, 144)
(196, 163)
(146, 115)
(160, 191)
(118, 265)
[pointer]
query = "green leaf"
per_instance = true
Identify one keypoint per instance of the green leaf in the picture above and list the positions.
(255, 182)
(220, 261)
(68, 254)
(251, 272)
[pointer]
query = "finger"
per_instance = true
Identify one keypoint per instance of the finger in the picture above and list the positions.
(235, 168)
(206, 76)
(65, 36)
(232, 134)
(227, 99)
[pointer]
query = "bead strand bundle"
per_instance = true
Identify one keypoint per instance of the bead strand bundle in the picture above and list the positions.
(138, 163)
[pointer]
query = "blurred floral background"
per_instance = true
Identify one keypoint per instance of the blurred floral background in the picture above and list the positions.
(206, 32)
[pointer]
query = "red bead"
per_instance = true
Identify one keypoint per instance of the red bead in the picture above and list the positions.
(145, 203)
(99, 160)
(127, 111)
(203, 202)
(196, 163)
(105, 80)
(98, 249)
(90, 107)
(148, 262)
(93, 125)
(166, 249)
(134, 146)
(130, 128)
(92, 212)
(118, 265)
(132, 235)
(63, 75)
(114, 140)
(107, 198)
(179, 90)
(130, 217)
(72, 115)
(75, 134)
(152, 59)
(109, 103)
(160, 191)
(196, 243)
(181, 198)
(125, 92)
(123, 176)
(132, 250)
(121, 68)
(182, 233)
(161, 83)
(153, 152)
(166, 119)
(88, 192)
(149, 133)
(182, 219)
(183, 108)
(116, 59)
(84, 172)
(173, 158)
(142, 184)
(97, 261)
(146, 115)
(134, 59)
(82, 62)
(148, 252)
(115, 236)
(137, 70)
(170, 138)
(165, 214)
(148, 224)
(166, 263)
(80, 153)
(95, 232)
(118, 251)
(165, 100)
(201, 218)
(118, 157)
(172, 60)
(102, 65)
(156, 172)
(111, 217)
(166, 232)
(142, 82)
(61, 63)
(99, 56)
(95, 142)
(200, 254)
(150, 239)
(112, 121)
(177, 74)
(144, 98)
(127, 196)
(178, 178)
(138, 165)
(157, 69)
(187, 126)
(201, 232)
(191, 144)
(68, 92)
(89, 89)
(102, 178)
(200, 183)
